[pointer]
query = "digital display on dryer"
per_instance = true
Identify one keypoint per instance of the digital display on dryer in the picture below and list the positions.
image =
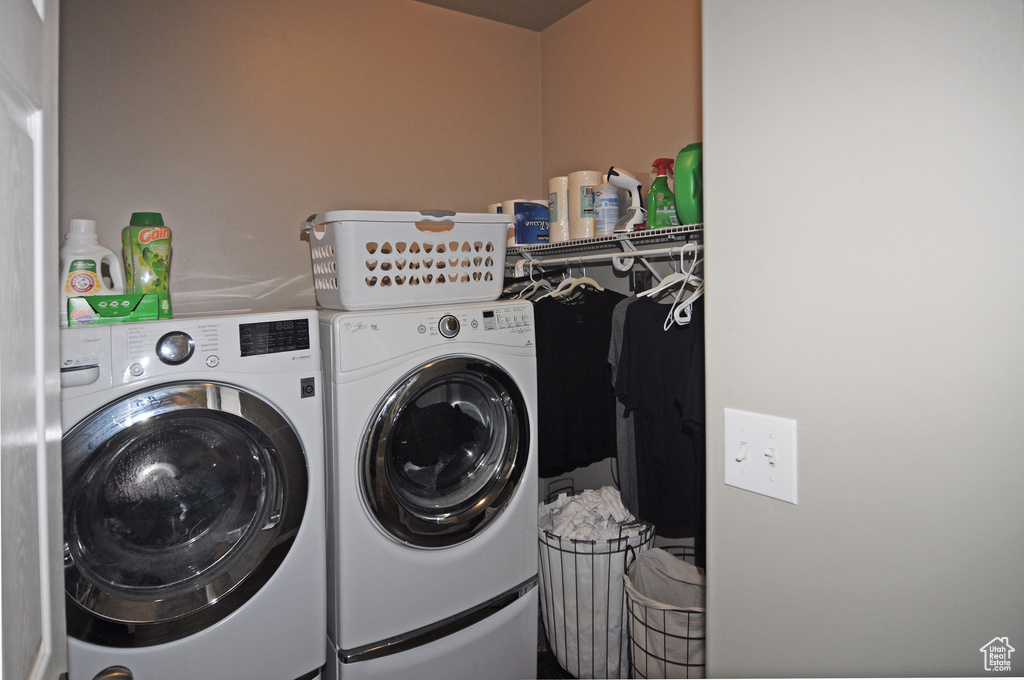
(270, 337)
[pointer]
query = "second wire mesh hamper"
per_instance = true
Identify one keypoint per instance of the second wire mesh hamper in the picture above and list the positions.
(665, 601)
(583, 599)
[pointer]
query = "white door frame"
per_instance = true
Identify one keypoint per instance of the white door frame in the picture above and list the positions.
(32, 634)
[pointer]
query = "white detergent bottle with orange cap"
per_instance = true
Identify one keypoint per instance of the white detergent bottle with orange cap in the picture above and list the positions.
(82, 263)
(146, 242)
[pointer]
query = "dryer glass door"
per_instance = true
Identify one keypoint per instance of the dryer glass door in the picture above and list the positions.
(179, 503)
(445, 451)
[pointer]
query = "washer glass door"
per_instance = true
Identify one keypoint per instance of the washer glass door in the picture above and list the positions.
(445, 451)
(179, 503)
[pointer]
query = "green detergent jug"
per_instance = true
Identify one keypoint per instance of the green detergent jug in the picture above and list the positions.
(689, 185)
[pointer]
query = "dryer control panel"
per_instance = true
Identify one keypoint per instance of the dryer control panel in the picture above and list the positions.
(369, 337)
(449, 326)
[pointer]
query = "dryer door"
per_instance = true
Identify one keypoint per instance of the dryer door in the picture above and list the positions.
(445, 451)
(180, 502)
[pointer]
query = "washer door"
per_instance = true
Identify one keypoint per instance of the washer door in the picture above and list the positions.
(180, 502)
(445, 451)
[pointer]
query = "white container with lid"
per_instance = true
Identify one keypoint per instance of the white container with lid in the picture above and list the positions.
(82, 262)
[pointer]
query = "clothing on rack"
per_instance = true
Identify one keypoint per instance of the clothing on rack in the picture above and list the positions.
(660, 381)
(576, 402)
(625, 433)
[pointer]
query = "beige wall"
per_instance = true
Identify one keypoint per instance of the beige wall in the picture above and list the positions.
(237, 119)
(864, 166)
(622, 86)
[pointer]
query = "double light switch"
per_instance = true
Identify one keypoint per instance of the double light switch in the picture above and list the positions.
(760, 454)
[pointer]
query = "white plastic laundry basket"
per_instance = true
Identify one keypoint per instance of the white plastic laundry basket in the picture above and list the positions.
(365, 259)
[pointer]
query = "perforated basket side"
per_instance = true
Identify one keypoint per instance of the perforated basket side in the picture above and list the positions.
(391, 264)
(325, 268)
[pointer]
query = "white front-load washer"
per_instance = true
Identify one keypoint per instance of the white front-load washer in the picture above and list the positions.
(432, 491)
(194, 498)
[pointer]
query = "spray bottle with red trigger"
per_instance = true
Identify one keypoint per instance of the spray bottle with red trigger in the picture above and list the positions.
(661, 202)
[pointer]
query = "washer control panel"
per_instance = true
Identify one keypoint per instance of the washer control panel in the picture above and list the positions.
(175, 348)
(258, 342)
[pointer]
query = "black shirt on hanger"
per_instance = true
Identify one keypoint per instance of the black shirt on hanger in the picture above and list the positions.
(660, 380)
(576, 402)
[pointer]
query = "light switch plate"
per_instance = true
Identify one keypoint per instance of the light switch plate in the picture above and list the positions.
(760, 454)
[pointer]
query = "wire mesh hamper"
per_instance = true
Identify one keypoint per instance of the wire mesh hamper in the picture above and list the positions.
(665, 600)
(583, 601)
(365, 259)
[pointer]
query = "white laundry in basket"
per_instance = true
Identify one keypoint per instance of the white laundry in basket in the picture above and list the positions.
(591, 515)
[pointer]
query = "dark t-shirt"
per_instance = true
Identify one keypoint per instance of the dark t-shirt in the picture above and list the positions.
(660, 380)
(576, 402)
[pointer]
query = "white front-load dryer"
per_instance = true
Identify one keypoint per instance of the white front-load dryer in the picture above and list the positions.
(432, 491)
(194, 498)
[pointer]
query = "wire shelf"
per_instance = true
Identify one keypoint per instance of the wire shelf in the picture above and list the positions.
(686, 232)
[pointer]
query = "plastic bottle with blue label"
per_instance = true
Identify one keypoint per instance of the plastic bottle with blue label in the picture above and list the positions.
(606, 208)
(82, 261)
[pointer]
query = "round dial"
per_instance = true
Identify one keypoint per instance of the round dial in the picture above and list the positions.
(449, 326)
(175, 348)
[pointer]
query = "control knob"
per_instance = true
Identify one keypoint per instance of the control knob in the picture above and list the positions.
(449, 326)
(175, 348)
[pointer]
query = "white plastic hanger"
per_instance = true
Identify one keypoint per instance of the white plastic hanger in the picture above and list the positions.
(576, 283)
(571, 283)
(532, 289)
(682, 311)
(684, 277)
(682, 307)
(673, 279)
(562, 285)
(679, 312)
(568, 285)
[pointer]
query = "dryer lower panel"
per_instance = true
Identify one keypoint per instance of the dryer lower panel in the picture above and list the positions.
(500, 647)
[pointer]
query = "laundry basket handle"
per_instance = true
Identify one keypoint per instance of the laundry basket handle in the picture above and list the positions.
(436, 221)
(311, 224)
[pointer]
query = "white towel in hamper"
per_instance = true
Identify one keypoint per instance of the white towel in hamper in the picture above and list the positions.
(592, 515)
